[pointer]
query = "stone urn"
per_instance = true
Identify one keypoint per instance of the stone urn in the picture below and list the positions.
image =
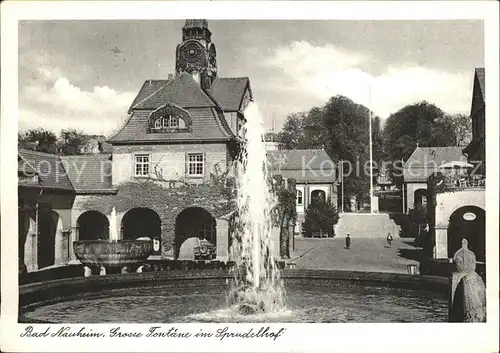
(468, 292)
(113, 254)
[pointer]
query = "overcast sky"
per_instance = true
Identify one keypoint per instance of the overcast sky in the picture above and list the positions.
(85, 74)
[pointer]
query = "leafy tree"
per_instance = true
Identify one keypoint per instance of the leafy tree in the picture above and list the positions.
(461, 125)
(72, 141)
(341, 128)
(285, 212)
(38, 140)
(292, 134)
(320, 215)
(346, 136)
(421, 123)
(313, 129)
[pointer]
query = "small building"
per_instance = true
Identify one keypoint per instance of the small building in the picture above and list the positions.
(475, 151)
(272, 141)
(458, 205)
(51, 190)
(181, 132)
(314, 172)
(422, 163)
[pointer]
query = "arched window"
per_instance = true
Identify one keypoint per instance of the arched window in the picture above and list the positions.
(300, 198)
(168, 119)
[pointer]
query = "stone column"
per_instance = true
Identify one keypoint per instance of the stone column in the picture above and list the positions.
(59, 251)
(31, 247)
(222, 239)
(410, 196)
(74, 236)
(441, 247)
(306, 197)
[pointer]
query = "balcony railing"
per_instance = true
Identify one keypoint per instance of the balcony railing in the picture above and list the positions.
(465, 182)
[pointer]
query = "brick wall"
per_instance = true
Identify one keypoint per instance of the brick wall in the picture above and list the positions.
(168, 160)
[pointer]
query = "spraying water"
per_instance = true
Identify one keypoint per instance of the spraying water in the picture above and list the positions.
(257, 285)
(113, 233)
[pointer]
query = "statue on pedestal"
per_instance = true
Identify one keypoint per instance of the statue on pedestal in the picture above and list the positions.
(468, 292)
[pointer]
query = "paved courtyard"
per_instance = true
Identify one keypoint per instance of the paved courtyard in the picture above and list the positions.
(365, 254)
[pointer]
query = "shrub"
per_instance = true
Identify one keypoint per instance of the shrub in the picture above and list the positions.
(320, 216)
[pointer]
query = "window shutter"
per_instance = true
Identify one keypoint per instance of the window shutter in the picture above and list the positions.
(186, 165)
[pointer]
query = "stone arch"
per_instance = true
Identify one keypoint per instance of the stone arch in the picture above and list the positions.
(467, 222)
(318, 195)
(49, 228)
(194, 222)
(420, 197)
(92, 225)
(141, 222)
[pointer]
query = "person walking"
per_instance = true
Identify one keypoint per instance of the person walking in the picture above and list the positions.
(348, 241)
(389, 240)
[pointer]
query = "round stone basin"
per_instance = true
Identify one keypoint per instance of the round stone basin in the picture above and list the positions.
(201, 296)
(112, 254)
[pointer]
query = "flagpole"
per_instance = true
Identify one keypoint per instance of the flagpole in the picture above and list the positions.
(403, 189)
(342, 182)
(371, 147)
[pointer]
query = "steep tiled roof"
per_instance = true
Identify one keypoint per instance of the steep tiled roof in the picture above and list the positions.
(183, 90)
(89, 172)
(481, 79)
(309, 176)
(24, 167)
(424, 156)
(229, 91)
(51, 172)
(302, 165)
(207, 125)
(148, 88)
(425, 160)
(300, 159)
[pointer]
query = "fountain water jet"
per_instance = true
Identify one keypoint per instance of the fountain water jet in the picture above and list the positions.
(257, 286)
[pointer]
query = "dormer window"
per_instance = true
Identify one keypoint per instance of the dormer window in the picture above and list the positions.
(166, 122)
(169, 118)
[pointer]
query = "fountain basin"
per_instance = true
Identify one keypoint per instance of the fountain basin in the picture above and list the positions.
(106, 253)
(200, 296)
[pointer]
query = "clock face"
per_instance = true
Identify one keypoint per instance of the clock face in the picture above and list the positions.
(192, 52)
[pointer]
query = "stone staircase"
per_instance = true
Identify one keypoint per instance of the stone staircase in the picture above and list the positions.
(366, 225)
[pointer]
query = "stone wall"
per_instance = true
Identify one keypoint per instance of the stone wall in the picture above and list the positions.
(446, 204)
(169, 159)
(32, 205)
(410, 194)
(166, 202)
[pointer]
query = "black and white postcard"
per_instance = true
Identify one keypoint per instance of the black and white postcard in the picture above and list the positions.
(249, 176)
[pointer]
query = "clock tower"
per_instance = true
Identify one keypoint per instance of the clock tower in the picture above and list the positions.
(196, 54)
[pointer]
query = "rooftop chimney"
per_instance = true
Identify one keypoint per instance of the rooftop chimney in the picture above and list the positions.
(170, 77)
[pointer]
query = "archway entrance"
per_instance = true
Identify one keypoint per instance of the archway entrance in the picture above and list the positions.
(420, 197)
(93, 225)
(468, 222)
(143, 222)
(194, 222)
(48, 226)
(318, 196)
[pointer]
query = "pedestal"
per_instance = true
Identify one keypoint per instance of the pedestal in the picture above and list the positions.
(222, 239)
